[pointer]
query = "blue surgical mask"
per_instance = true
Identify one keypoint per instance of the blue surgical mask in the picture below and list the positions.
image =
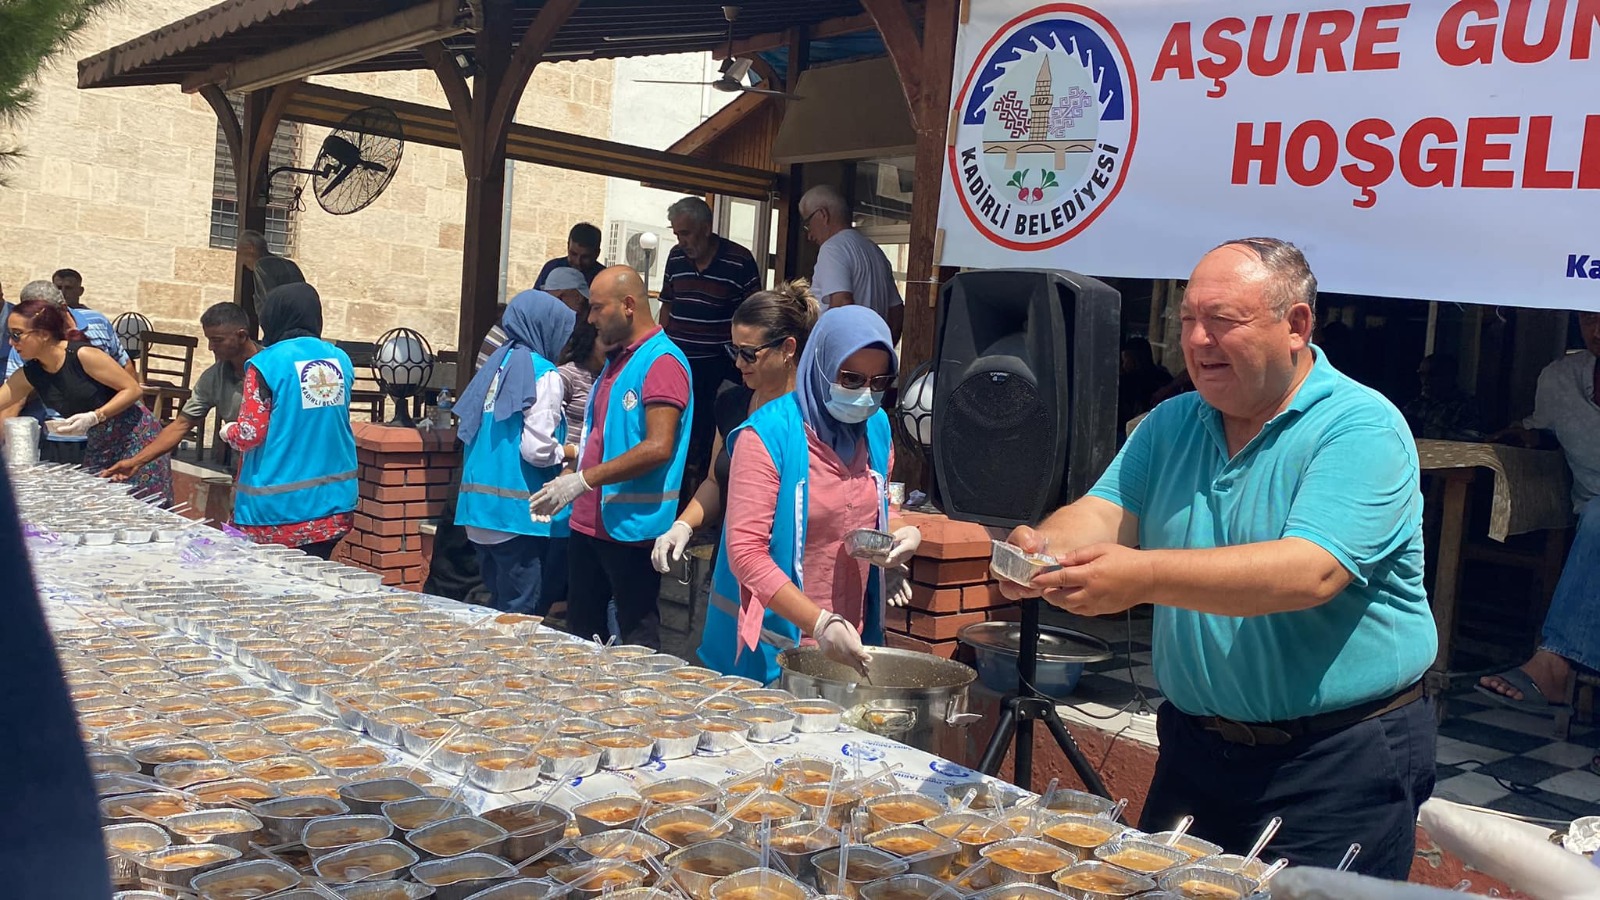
(852, 405)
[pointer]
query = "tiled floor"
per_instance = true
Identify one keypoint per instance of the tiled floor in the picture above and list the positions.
(1487, 756)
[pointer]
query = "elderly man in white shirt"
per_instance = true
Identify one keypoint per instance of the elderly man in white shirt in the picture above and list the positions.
(1567, 405)
(850, 268)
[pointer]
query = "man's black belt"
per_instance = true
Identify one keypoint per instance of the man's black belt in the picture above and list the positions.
(1271, 734)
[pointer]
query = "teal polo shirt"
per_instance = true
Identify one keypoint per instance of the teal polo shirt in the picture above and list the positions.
(1337, 468)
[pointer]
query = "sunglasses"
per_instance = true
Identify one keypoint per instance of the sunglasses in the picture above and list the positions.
(17, 336)
(855, 381)
(749, 354)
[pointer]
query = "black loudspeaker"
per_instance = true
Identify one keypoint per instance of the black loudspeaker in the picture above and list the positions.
(1025, 400)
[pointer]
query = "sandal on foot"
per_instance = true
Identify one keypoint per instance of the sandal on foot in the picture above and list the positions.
(1533, 700)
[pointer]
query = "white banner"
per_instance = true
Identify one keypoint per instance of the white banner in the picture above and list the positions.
(1438, 150)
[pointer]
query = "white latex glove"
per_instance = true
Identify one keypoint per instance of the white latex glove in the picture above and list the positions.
(907, 538)
(897, 586)
(556, 494)
(79, 425)
(227, 430)
(840, 642)
(670, 546)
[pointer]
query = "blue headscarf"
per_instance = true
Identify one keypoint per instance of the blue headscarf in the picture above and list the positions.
(534, 321)
(839, 333)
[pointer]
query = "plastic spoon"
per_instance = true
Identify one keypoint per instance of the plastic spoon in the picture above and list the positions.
(1272, 870)
(1182, 828)
(433, 748)
(1267, 835)
(1349, 858)
(1115, 812)
(827, 800)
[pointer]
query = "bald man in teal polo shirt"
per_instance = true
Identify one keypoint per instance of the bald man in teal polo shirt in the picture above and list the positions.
(1279, 524)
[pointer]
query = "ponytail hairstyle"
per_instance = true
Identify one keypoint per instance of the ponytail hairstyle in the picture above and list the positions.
(49, 318)
(789, 310)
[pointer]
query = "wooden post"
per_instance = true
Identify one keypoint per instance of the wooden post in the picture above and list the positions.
(249, 137)
(483, 120)
(790, 182)
(923, 274)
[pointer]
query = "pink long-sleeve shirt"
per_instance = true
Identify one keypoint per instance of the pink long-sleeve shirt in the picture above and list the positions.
(841, 499)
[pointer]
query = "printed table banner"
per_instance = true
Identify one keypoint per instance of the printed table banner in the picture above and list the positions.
(1438, 150)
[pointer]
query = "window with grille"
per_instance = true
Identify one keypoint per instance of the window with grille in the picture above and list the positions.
(280, 205)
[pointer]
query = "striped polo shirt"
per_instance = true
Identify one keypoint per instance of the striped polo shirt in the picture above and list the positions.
(703, 300)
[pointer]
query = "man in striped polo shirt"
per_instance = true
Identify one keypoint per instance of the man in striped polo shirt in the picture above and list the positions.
(705, 280)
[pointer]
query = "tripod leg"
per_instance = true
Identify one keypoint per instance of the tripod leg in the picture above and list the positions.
(1074, 754)
(1003, 731)
(1022, 754)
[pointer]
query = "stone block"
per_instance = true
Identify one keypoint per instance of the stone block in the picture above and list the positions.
(170, 299)
(205, 266)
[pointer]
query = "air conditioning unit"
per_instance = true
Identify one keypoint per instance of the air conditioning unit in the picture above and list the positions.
(624, 242)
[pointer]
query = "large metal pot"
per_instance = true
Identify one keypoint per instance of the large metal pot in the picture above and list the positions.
(914, 698)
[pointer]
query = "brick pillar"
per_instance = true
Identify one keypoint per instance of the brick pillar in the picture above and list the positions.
(950, 586)
(405, 475)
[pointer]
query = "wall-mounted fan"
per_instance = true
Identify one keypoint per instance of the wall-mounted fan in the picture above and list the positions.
(356, 162)
(733, 71)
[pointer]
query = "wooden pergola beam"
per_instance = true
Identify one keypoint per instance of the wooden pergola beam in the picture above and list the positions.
(900, 38)
(530, 51)
(773, 40)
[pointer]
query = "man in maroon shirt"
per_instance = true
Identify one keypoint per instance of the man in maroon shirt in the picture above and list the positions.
(601, 568)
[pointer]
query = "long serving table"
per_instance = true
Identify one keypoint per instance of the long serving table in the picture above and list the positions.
(190, 655)
(70, 602)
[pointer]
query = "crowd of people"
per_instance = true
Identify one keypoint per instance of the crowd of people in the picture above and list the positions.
(1269, 503)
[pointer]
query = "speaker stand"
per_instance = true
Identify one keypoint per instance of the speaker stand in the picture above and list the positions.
(1018, 712)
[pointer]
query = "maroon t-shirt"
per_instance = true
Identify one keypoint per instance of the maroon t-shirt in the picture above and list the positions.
(666, 382)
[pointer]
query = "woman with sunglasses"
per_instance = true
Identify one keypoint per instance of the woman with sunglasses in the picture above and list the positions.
(769, 332)
(808, 469)
(94, 395)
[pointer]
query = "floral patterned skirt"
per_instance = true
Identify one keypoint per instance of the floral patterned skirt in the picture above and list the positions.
(120, 437)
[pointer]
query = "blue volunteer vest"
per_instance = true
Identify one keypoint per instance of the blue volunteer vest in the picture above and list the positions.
(641, 509)
(496, 481)
(783, 432)
(307, 468)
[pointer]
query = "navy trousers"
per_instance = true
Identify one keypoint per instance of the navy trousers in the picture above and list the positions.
(1360, 784)
(514, 572)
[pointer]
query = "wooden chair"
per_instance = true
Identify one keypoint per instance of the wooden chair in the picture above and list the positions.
(367, 392)
(166, 367)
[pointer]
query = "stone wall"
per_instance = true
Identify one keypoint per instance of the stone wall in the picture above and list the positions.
(117, 183)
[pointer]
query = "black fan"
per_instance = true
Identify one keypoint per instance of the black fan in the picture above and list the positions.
(356, 162)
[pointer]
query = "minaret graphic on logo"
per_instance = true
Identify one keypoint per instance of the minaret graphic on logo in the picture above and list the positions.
(1043, 98)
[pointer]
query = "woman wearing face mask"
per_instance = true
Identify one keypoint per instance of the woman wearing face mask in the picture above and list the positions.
(808, 469)
(513, 428)
(769, 332)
